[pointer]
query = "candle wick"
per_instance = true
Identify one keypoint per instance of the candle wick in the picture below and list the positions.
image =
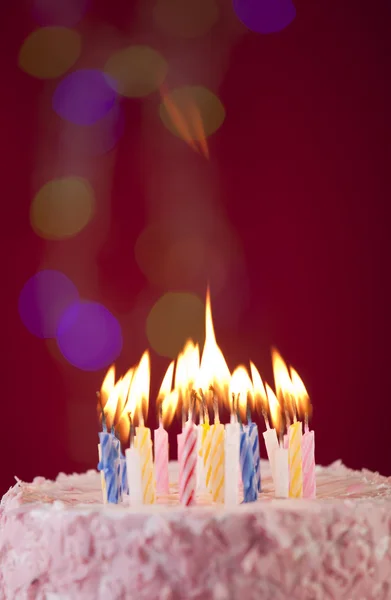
(248, 413)
(104, 426)
(266, 418)
(131, 443)
(306, 426)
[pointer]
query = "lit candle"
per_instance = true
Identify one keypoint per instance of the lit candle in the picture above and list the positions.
(161, 435)
(133, 469)
(204, 447)
(252, 430)
(279, 454)
(188, 480)
(270, 435)
(217, 456)
(281, 472)
(295, 460)
(241, 389)
(308, 439)
(232, 456)
(137, 401)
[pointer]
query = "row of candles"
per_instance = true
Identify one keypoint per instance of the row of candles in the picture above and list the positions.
(222, 460)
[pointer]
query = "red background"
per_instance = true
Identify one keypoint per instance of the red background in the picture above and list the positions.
(301, 169)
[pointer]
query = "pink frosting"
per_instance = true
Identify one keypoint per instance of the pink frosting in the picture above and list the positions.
(58, 542)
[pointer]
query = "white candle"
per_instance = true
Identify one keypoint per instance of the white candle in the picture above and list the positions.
(271, 442)
(133, 469)
(281, 472)
(232, 471)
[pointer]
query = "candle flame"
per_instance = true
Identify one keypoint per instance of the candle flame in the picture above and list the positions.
(138, 398)
(241, 387)
(275, 409)
(166, 385)
(301, 395)
(259, 395)
(107, 385)
(213, 370)
(186, 371)
(110, 408)
(169, 406)
(125, 382)
(283, 383)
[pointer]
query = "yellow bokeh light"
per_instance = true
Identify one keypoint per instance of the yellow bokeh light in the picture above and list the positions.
(49, 52)
(137, 70)
(189, 19)
(62, 208)
(176, 317)
(192, 112)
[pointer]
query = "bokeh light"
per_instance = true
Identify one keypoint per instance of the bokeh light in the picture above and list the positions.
(137, 71)
(85, 96)
(89, 336)
(43, 300)
(49, 52)
(192, 112)
(174, 318)
(62, 208)
(59, 12)
(265, 16)
(94, 140)
(190, 19)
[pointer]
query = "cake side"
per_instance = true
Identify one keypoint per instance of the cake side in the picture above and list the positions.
(336, 547)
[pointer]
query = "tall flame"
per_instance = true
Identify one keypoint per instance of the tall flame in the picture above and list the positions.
(275, 409)
(259, 395)
(213, 370)
(241, 388)
(186, 372)
(138, 399)
(169, 406)
(283, 383)
(123, 394)
(301, 396)
(107, 385)
(110, 408)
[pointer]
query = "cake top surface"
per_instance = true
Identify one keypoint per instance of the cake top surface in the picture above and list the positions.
(335, 484)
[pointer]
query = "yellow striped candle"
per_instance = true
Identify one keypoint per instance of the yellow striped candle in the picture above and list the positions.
(295, 461)
(143, 443)
(201, 463)
(207, 453)
(217, 464)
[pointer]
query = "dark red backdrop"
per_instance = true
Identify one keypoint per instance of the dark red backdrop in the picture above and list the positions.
(301, 166)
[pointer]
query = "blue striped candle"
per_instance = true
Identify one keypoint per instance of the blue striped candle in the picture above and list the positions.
(250, 492)
(252, 430)
(110, 465)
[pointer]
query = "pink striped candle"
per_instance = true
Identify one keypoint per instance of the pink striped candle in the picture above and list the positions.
(308, 457)
(188, 474)
(161, 460)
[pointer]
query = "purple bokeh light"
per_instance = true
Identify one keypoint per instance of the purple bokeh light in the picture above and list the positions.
(63, 13)
(43, 300)
(96, 139)
(89, 336)
(85, 96)
(265, 16)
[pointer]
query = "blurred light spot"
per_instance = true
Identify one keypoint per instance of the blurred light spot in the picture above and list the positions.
(59, 12)
(137, 71)
(189, 19)
(192, 112)
(94, 140)
(170, 260)
(265, 16)
(89, 336)
(49, 52)
(85, 96)
(62, 208)
(43, 300)
(173, 319)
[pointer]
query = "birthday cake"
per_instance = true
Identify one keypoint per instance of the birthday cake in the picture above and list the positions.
(59, 542)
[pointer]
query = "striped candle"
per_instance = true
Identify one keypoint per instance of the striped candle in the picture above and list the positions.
(207, 456)
(203, 429)
(308, 452)
(109, 464)
(295, 461)
(123, 475)
(188, 480)
(250, 492)
(252, 430)
(143, 443)
(102, 476)
(161, 460)
(217, 464)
